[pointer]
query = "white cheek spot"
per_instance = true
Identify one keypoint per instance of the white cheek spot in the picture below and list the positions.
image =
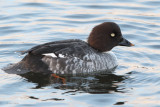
(113, 35)
(50, 54)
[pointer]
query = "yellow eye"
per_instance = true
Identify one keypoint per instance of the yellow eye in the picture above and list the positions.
(113, 35)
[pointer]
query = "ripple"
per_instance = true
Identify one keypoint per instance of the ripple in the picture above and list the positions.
(115, 7)
(5, 18)
(154, 46)
(135, 82)
(140, 78)
(152, 3)
(34, 4)
(28, 15)
(81, 16)
(129, 26)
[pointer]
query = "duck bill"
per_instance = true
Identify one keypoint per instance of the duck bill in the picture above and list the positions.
(125, 42)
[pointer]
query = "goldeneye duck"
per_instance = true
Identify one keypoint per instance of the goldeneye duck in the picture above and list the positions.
(74, 56)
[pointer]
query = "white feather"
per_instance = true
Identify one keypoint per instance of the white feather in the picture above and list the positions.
(61, 56)
(50, 54)
(53, 55)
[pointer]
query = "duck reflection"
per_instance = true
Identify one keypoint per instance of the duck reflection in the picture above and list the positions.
(91, 84)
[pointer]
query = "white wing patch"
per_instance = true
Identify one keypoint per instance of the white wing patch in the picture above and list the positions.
(53, 55)
(61, 56)
(50, 54)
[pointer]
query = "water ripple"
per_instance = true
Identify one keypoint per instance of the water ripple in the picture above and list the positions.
(26, 23)
(33, 4)
(81, 16)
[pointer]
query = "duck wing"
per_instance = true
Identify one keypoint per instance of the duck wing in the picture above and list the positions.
(73, 47)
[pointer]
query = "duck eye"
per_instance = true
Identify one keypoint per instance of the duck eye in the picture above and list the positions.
(113, 35)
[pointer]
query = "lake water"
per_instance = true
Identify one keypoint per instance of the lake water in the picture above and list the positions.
(135, 82)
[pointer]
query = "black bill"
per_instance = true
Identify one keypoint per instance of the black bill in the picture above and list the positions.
(125, 42)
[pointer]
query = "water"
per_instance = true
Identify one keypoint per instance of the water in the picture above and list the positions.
(136, 81)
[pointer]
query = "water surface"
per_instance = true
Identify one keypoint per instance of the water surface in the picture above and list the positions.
(135, 82)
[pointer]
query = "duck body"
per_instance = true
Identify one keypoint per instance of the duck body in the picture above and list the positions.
(74, 56)
(63, 58)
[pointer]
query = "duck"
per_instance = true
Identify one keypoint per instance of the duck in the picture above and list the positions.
(74, 56)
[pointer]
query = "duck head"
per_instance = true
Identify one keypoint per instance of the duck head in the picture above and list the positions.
(107, 35)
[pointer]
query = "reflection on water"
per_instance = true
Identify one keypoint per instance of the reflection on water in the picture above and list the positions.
(96, 84)
(135, 82)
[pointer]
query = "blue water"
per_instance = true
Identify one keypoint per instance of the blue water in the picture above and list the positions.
(135, 82)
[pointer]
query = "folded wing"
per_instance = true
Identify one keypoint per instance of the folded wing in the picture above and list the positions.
(66, 47)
